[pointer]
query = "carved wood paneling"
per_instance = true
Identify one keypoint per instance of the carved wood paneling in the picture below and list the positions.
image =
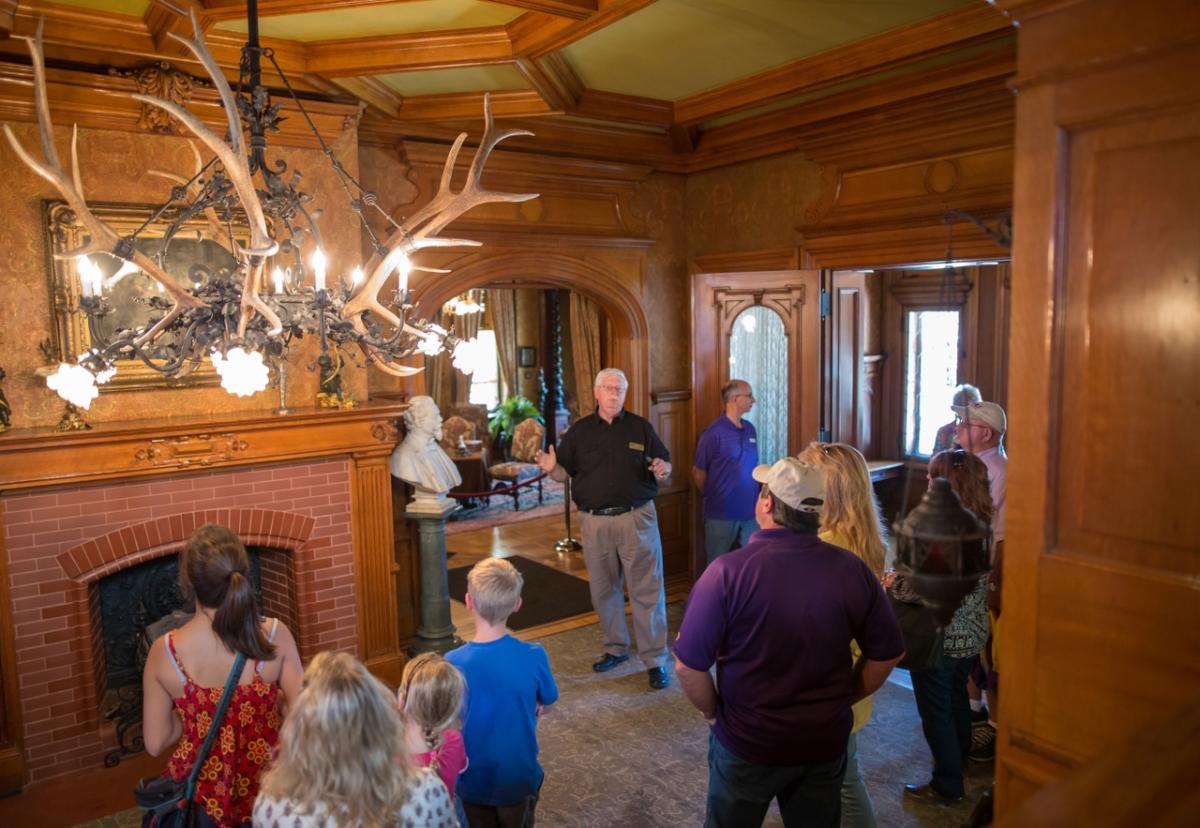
(375, 567)
(1101, 593)
(848, 412)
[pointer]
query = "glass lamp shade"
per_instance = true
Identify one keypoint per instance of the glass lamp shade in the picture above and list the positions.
(942, 550)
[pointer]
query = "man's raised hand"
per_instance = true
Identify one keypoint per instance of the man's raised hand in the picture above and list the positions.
(546, 460)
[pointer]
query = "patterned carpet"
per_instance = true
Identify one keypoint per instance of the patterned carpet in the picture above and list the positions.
(501, 512)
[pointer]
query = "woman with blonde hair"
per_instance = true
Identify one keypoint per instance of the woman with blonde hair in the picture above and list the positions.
(850, 519)
(341, 760)
(187, 670)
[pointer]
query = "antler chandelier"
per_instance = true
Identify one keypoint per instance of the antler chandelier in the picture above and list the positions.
(250, 315)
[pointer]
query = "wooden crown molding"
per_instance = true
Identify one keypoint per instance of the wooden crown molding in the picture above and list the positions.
(405, 52)
(947, 32)
(554, 80)
(570, 9)
(103, 102)
(8, 17)
(537, 34)
(515, 103)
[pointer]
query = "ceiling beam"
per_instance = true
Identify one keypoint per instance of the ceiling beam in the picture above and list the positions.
(553, 78)
(572, 9)
(376, 94)
(359, 56)
(947, 32)
(162, 21)
(537, 34)
(630, 109)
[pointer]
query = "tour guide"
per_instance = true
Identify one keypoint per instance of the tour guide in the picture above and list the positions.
(615, 460)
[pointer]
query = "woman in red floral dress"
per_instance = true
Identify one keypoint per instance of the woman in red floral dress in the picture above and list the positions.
(187, 669)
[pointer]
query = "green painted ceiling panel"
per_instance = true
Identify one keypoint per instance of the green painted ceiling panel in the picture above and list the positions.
(449, 81)
(137, 8)
(673, 49)
(366, 21)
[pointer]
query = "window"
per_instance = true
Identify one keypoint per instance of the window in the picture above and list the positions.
(485, 382)
(758, 354)
(930, 375)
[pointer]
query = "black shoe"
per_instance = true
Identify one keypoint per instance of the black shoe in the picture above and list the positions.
(926, 793)
(608, 662)
(983, 743)
(658, 678)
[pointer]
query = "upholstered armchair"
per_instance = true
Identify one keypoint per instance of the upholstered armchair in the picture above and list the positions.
(528, 437)
(455, 428)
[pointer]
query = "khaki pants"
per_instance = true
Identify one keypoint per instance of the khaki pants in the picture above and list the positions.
(620, 547)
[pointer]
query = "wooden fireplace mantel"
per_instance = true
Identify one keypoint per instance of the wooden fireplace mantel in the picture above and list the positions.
(40, 457)
(147, 450)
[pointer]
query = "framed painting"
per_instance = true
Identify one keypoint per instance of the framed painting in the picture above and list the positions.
(192, 257)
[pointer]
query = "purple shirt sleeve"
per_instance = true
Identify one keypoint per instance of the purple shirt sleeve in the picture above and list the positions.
(704, 451)
(703, 627)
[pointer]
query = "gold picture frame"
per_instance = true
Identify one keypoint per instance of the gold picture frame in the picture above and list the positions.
(71, 336)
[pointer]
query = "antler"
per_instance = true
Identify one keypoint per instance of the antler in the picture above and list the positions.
(103, 238)
(417, 232)
(237, 166)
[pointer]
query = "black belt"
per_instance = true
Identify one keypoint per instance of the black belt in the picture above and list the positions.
(610, 511)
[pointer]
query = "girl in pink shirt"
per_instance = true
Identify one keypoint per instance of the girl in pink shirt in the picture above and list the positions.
(431, 697)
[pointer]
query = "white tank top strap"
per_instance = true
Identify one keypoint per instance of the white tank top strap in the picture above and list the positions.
(271, 638)
(171, 656)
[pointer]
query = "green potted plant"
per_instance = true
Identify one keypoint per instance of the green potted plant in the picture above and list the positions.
(507, 416)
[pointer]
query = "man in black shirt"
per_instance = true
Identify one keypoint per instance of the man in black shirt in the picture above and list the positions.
(615, 461)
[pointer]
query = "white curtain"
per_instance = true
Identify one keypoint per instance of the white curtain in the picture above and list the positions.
(758, 355)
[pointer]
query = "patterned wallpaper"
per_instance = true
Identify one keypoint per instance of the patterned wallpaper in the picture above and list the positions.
(750, 206)
(114, 168)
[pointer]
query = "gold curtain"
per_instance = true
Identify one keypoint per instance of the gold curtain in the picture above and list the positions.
(503, 307)
(585, 349)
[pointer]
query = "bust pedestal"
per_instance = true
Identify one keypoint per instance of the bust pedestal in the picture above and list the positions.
(436, 633)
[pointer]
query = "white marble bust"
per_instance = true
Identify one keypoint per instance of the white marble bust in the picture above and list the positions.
(420, 460)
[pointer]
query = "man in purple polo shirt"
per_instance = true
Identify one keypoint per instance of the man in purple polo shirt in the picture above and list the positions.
(777, 617)
(725, 457)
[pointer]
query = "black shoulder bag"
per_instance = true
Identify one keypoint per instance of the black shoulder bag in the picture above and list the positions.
(168, 802)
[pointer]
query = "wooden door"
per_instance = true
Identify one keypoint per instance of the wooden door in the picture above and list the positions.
(1101, 626)
(717, 300)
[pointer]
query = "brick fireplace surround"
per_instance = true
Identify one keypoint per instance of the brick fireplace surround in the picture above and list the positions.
(313, 487)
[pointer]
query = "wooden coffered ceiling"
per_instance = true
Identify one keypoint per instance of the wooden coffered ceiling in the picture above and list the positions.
(678, 84)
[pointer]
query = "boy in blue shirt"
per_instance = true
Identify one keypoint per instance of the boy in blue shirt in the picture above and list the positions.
(509, 684)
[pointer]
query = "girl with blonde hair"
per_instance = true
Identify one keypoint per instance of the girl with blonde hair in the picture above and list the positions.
(431, 697)
(850, 519)
(341, 759)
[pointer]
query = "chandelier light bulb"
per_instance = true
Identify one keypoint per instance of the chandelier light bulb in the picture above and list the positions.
(277, 277)
(404, 266)
(89, 276)
(242, 372)
(318, 263)
(75, 384)
(430, 344)
(356, 277)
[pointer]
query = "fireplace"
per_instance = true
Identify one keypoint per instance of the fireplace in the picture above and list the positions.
(320, 525)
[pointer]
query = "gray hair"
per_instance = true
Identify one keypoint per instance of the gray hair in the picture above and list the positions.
(730, 388)
(966, 394)
(606, 373)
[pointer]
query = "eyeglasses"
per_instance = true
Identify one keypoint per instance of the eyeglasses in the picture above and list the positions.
(612, 389)
(751, 396)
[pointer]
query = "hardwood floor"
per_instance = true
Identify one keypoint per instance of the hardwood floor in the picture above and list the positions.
(532, 539)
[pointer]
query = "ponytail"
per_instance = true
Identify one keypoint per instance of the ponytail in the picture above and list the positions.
(214, 570)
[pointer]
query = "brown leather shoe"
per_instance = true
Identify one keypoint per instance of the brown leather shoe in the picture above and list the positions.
(925, 793)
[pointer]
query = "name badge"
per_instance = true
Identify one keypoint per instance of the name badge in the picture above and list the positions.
(752, 440)
(637, 446)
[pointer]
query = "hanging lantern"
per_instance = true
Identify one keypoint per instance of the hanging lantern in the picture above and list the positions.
(942, 550)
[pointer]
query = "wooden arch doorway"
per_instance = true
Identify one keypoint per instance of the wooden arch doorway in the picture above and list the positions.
(629, 328)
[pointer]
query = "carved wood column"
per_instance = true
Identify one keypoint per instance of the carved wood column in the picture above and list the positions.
(375, 566)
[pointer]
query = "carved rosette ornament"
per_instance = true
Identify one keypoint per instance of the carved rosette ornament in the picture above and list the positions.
(164, 81)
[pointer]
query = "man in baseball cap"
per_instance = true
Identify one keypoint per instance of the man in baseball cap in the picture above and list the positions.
(777, 617)
(980, 430)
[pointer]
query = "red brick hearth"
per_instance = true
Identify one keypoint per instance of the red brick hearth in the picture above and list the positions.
(61, 543)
